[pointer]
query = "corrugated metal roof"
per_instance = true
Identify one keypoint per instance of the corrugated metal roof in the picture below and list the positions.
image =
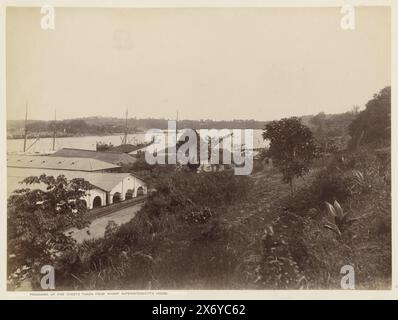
(117, 158)
(126, 148)
(58, 163)
(102, 180)
(135, 152)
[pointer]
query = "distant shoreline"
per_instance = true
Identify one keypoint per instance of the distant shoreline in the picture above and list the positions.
(46, 136)
(77, 135)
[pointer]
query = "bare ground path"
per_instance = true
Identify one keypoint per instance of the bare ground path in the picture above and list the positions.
(248, 219)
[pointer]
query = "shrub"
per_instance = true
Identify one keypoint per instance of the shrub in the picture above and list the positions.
(330, 185)
(283, 252)
(340, 219)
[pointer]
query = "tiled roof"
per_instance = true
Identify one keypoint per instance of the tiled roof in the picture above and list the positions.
(117, 158)
(102, 180)
(58, 163)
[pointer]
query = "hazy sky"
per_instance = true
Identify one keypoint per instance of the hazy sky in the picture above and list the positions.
(235, 63)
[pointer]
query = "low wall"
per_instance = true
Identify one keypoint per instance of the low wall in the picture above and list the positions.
(102, 211)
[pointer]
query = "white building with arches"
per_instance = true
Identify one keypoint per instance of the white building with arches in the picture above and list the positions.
(114, 187)
(106, 187)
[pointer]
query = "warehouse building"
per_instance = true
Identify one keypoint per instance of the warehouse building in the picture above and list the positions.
(118, 158)
(108, 187)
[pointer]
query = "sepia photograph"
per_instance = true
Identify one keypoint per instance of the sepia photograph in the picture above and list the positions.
(198, 148)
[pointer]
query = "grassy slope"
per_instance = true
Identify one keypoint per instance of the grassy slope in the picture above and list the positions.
(312, 255)
(248, 220)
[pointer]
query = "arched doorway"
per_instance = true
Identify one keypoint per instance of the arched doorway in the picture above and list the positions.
(140, 191)
(129, 194)
(97, 202)
(116, 197)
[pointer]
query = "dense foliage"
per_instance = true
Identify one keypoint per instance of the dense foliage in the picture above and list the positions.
(373, 125)
(331, 131)
(37, 219)
(292, 147)
(308, 247)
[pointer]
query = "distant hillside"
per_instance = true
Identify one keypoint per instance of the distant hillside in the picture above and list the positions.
(334, 124)
(110, 125)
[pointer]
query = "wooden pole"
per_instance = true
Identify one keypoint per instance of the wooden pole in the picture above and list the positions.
(126, 128)
(177, 126)
(55, 128)
(26, 127)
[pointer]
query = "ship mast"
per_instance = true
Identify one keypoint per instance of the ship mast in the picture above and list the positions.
(177, 125)
(26, 127)
(126, 128)
(55, 128)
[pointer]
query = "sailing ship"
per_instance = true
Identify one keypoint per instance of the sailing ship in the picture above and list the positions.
(27, 149)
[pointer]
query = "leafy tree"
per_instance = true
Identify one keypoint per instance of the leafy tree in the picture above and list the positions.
(373, 125)
(292, 147)
(37, 219)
